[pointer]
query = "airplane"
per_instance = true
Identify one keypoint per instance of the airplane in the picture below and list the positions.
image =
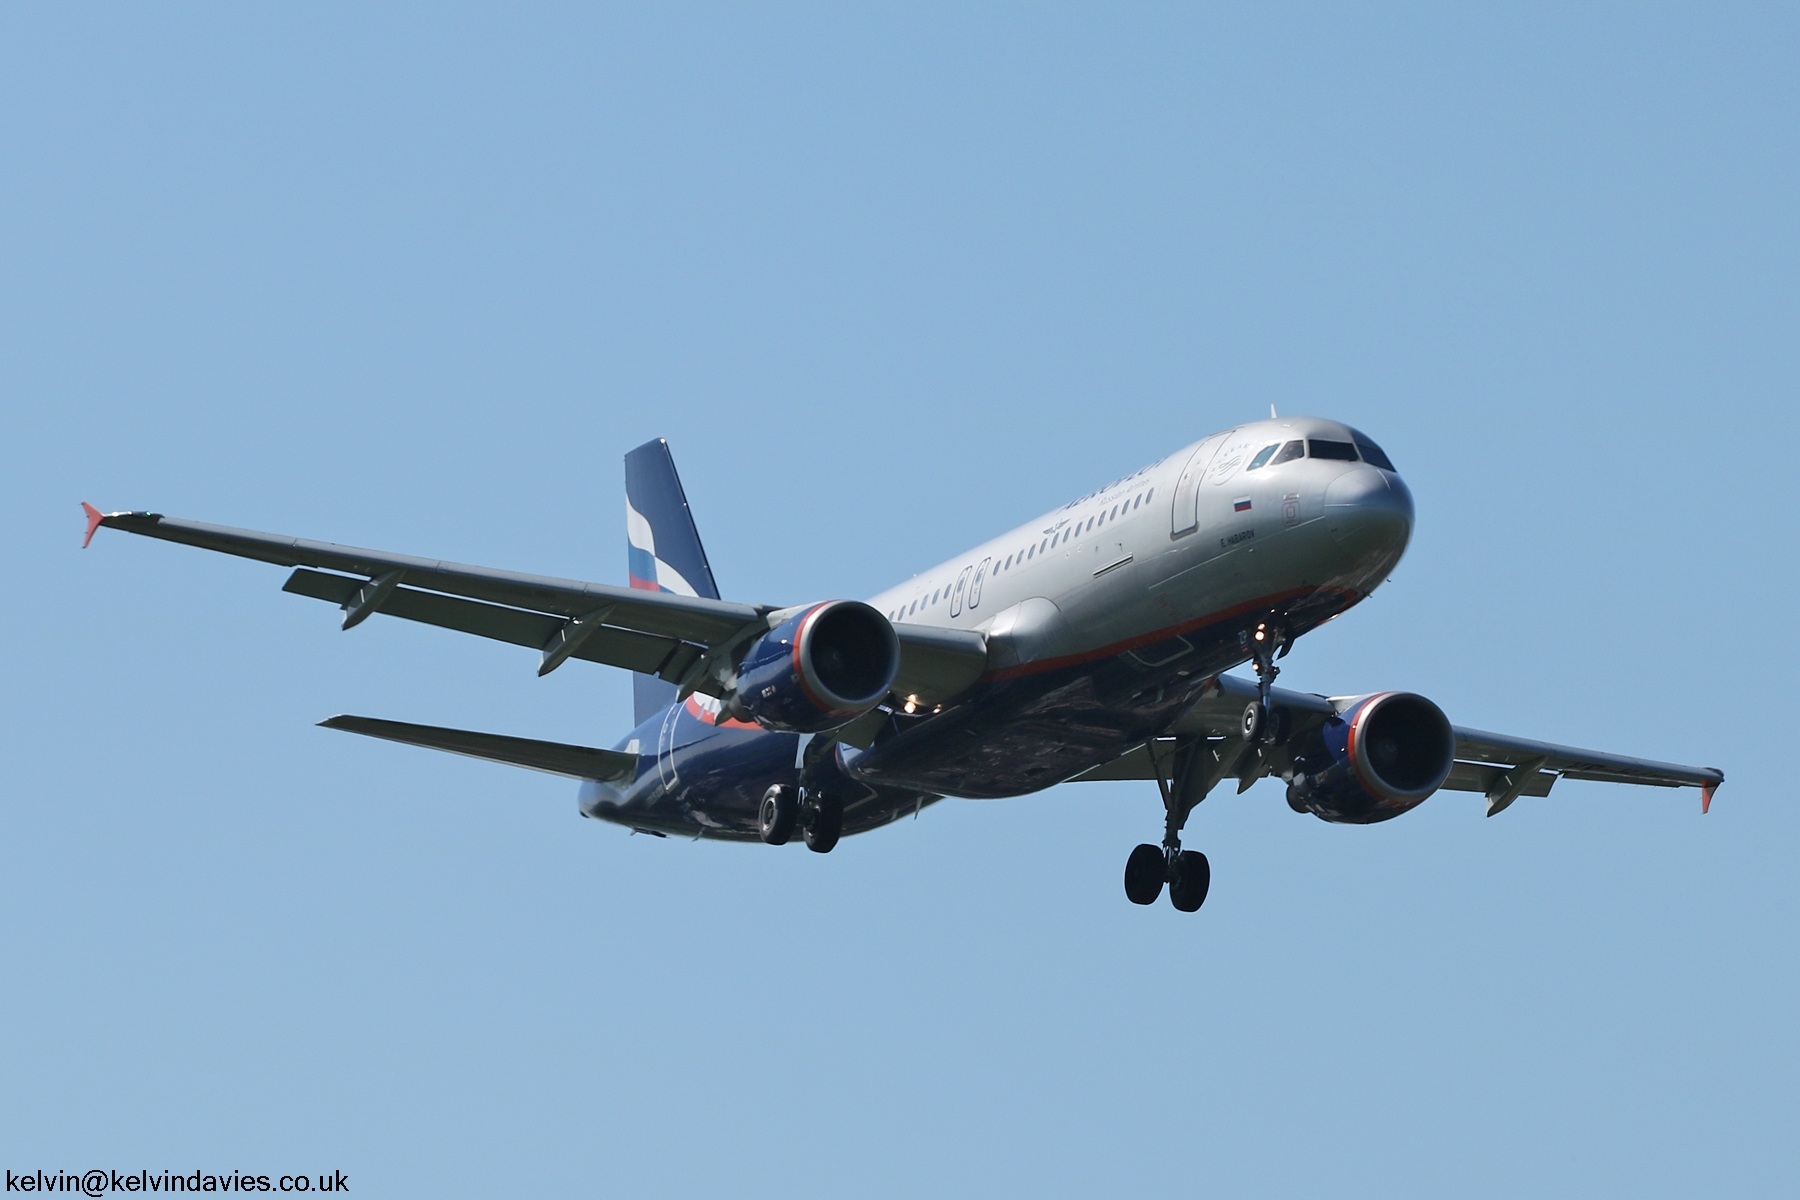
(1089, 644)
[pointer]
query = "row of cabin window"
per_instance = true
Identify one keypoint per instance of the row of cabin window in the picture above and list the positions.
(1278, 453)
(1030, 552)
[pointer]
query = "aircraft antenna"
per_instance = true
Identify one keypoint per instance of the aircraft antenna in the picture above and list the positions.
(1272, 415)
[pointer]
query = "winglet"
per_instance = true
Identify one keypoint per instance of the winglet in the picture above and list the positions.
(94, 517)
(1706, 797)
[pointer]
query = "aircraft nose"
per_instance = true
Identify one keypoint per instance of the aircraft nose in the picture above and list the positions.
(1369, 511)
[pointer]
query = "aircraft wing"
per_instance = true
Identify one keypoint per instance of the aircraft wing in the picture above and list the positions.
(558, 758)
(1501, 767)
(657, 633)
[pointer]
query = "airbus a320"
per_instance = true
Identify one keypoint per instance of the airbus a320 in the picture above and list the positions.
(1089, 644)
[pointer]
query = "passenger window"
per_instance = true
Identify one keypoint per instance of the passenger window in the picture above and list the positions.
(1289, 452)
(1372, 453)
(1262, 457)
(1149, 495)
(1340, 451)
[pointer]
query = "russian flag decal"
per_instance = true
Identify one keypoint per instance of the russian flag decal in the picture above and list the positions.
(1241, 504)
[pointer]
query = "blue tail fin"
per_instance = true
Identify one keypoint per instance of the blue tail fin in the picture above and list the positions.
(664, 550)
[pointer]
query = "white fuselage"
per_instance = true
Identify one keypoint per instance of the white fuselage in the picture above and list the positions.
(1187, 537)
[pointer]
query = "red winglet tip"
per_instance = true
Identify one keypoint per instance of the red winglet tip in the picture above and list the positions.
(1706, 799)
(94, 516)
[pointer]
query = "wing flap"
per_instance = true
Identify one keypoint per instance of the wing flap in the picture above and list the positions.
(609, 645)
(1486, 778)
(1133, 764)
(557, 758)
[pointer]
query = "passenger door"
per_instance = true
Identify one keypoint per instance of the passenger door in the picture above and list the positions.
(962, 586)
(975, 585)
(1185, 515)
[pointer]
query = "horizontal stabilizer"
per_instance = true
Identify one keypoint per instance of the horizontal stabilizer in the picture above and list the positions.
(581, 762)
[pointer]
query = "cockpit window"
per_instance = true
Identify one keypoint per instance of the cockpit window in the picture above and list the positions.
(1320, 448)
(1372, 453)
(1262, 456)
(1289, 452)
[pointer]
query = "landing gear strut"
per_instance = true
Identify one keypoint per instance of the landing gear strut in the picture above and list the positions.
(1197, 766)
(1263, 723)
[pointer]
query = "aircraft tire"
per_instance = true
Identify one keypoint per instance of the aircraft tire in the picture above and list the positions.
(776, 815)
(1144, 872)
(1189, 881)
(824, 823)
(1255, 719)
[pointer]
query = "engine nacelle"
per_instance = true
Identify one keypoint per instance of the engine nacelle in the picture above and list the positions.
(1380, 757)
(818, 670)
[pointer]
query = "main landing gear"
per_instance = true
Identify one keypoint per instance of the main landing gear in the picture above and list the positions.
(1187, 873)
(1197, 766)
(820, 817)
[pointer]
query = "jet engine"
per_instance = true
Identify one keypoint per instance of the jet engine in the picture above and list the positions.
(1380, 757)
(818, 670)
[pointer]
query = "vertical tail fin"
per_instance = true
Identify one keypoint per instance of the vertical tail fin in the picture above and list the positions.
(663, 549)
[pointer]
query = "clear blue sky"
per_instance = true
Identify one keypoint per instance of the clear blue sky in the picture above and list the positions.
(890, 282)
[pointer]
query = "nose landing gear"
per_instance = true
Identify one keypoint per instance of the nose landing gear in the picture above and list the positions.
(1263, 723)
